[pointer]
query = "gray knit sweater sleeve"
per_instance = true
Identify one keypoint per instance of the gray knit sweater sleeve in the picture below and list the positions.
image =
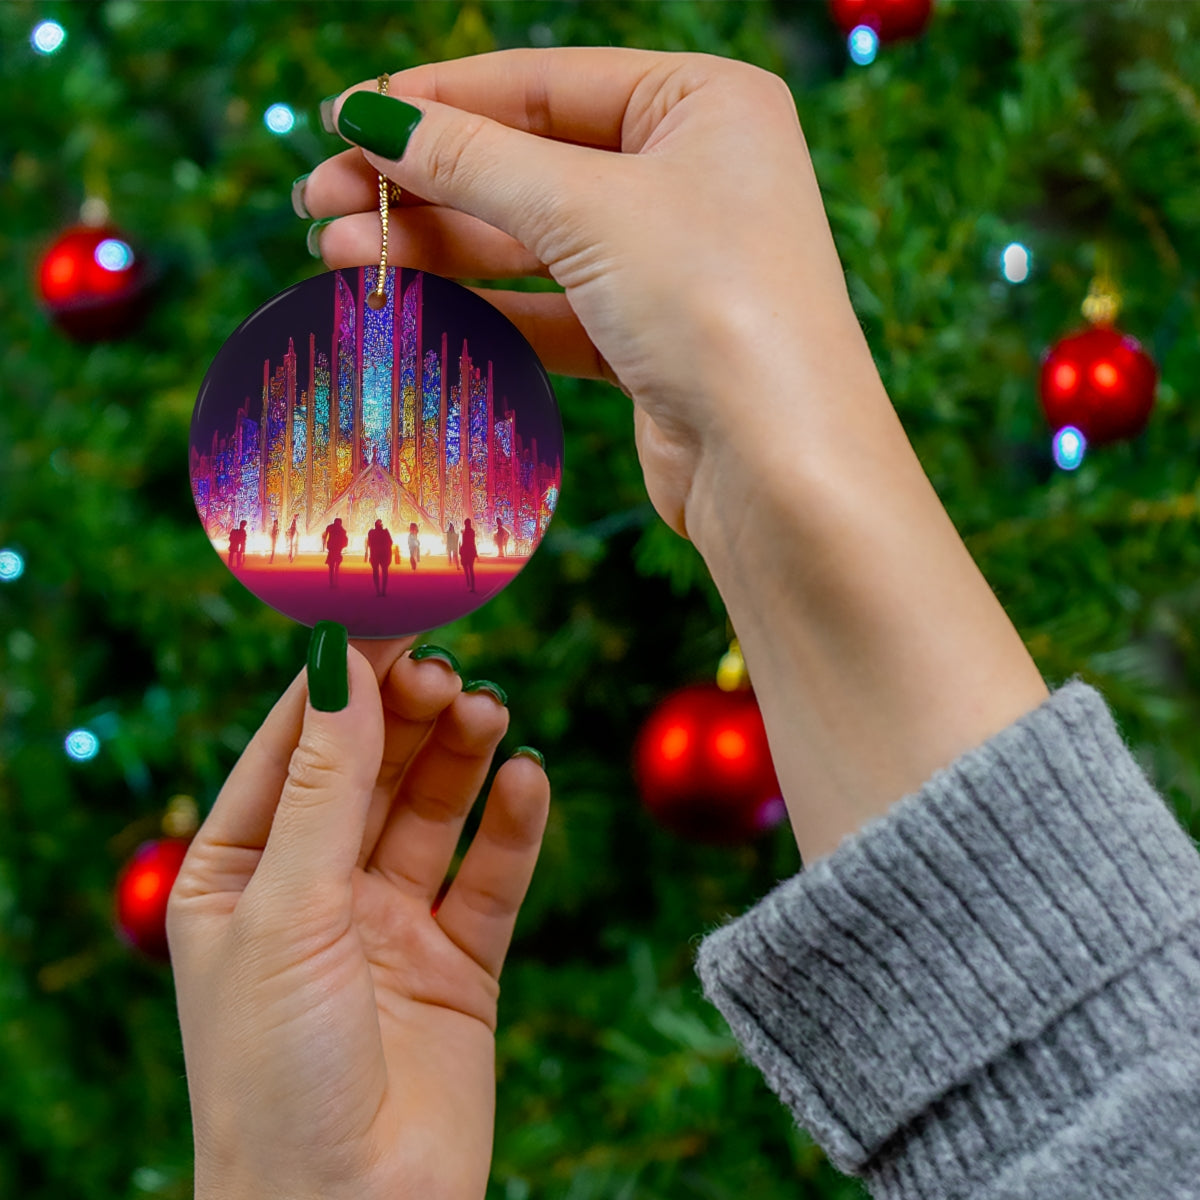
(992, 991)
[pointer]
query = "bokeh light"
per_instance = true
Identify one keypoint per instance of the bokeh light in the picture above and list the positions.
(47, 37)
(12, 566)
(1016, 262)
(279, 118)
(1069, 447)
(863, 44)
(114, 255)
(82, 745)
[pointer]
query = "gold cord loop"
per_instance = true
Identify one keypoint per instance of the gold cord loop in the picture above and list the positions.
(388, 193)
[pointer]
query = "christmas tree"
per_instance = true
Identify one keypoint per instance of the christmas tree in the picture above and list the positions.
(1057, 136)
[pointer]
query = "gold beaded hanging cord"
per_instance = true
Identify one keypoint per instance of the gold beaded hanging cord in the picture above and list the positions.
(389, 193)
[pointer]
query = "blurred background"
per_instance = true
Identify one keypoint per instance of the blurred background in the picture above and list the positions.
(985, 172)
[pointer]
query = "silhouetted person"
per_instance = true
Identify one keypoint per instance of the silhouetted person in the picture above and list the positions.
(293, 538)
(501, 537)
(468, 553)
(335, 539)
(379, 549)
(274, 537)
(237, 546)
(414, 545)
(452, 545)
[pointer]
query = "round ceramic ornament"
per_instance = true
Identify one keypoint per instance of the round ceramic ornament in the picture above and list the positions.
(376, 446)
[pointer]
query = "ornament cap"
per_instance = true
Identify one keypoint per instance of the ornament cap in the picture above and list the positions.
(182, 817)
(731, 671)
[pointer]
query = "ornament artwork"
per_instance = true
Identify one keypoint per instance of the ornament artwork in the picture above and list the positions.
(892, 20)
(703, 766)
(144, 884)
(1099, 381)
(93, 284)
(376, 446)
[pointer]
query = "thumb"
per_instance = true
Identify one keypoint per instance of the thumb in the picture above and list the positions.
(517, 182)
(317, 831)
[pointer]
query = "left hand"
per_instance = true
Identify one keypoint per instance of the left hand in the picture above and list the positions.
(339, 1036)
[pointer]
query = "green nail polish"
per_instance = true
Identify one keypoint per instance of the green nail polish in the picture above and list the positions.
(420, 653)
(298, 205)
(313, 238)
(378, 123)
(486, 685)
(326, 110)
(328, 671)
(530, 752)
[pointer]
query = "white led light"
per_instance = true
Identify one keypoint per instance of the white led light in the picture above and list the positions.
(82, 745)
(1069, 447)
(1016, 263)
(47, 37)
(863, 44)
(114, 255)
(12, 566)
(279, 118)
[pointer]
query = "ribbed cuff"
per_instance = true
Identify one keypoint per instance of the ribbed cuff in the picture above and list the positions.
(952, 979)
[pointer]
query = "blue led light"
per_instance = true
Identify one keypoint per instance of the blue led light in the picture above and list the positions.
(114, 255)
(279, 118)
(47, 36)
(863, 44)
(1069, 447)
(1015, 263)
(12, 566)
(82, 745)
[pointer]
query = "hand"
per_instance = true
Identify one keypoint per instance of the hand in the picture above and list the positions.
(338, 1036)
(690, 257)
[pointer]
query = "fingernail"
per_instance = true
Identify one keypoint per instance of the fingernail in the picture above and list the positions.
(313, 238)
(420, 653)
(378, 123)
(327, 113)
(298, 205)
(530, 752)
(486, 685)
(328, 671)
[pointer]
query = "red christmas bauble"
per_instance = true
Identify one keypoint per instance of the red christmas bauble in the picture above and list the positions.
(704, 769)
(1101, 381)
(892, 20)
(142, 891)
(93, 283)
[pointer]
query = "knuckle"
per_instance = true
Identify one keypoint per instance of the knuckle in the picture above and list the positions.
(310, 775)
(451, 157)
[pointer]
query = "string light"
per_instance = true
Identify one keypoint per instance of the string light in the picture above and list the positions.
(12, 566)
(1015, 263)
(113, 255)
(47, 37)
(279, 119)
(863, 44)
(82, 745)
(1069, 447)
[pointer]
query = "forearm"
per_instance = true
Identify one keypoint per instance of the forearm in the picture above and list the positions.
(877, 650)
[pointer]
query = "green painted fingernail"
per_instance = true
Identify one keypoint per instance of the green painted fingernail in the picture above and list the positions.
(378, 123)
(530, 752)
(313, 240)
(328, 670)
(298, 205)
(419, 653)
(486, 685)
(326, 111)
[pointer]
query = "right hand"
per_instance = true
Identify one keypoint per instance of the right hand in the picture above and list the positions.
(689, 260)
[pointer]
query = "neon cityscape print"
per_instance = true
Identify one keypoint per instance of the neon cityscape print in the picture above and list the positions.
(387, 467)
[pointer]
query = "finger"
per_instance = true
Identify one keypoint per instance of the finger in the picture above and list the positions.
(382, 655)
(512, 180)
(429, 238)
(227, 846)
(343, 184)
(418, 840)
(317, 830)
(549, 324)
(415, 693)
(573, 93)
(480, 910)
